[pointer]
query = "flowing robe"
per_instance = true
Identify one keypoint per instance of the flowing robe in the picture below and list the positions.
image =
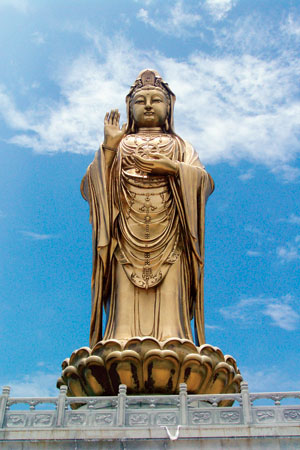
(148, 244)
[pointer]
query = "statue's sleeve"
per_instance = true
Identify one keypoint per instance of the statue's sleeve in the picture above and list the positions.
(95, 189)
(195, 186)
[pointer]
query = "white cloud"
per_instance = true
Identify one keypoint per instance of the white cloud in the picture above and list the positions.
(144, 16)
(146, 2)
(19, 5)
(252, 34)
(40, 384)
(37, 236)
(219, 8)
(250, 311)
(253, 253)
(14, 118)
(288, 253)
(248, 175)
(254, 230)
(38, 38)
(270, 379)
(286, 172)
(282, 315)
(294, 219)
(291, 251)
(291, 26)
(213, 327)
(41, 364)
(178, 20)
(231, 108)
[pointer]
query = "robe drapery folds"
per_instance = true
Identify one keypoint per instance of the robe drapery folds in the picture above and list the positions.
(113, 248)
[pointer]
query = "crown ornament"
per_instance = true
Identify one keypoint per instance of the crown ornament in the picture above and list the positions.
(150, 79)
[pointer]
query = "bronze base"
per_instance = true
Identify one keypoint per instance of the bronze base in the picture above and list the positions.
(148, 366)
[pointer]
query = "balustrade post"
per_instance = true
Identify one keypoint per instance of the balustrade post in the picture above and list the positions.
(121, 405)
(183, 404)
(246, 405)
(61, 406)
(3, 403)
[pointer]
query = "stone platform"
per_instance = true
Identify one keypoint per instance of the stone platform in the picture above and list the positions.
(152, 422)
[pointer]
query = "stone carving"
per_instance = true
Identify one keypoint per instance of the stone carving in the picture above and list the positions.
(42, 420)
(264, 415)
(151, 410)
(291, 414)
(201, 417)
(152, 403)
(147, 191)
(138, 419)
(232, 416)
(166, 419)
(16, 420)
(104, 419)
(76, 419)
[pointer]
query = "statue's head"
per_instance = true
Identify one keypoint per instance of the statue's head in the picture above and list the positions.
(150, 87)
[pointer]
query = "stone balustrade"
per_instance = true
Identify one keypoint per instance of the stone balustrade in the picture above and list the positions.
(148, 411)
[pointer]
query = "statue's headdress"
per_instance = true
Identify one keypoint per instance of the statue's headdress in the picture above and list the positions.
(148, 79)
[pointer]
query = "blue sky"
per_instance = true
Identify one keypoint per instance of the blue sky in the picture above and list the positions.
(234, 66)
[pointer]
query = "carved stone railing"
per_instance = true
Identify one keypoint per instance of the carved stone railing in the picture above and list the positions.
(148, 411)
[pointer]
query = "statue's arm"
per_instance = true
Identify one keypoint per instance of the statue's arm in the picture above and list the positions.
(107, 151)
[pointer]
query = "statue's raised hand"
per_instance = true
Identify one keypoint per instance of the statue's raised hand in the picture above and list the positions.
(112, 131)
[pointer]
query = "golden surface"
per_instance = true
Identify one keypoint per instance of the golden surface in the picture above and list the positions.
(147, 191)
(148, 366)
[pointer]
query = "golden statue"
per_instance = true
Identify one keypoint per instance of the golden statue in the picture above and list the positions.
(147, 192)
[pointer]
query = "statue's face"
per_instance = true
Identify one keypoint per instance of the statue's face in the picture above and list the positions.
(149, 108)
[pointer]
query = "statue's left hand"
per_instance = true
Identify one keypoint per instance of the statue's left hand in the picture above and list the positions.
(161, 165)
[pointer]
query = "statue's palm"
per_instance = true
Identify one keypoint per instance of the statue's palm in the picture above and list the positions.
(112, 132)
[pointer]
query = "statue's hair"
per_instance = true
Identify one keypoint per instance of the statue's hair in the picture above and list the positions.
(150, 79)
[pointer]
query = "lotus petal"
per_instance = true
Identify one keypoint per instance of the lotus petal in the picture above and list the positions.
(73, 381)
(78, 355)
(104, 348)
(196, 371)
(182, 347)
(94, 376)
(161, 371)
(125, 368)
(142, 345)
(146, 365)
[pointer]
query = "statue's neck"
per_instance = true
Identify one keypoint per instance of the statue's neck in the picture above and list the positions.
(150, 131)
